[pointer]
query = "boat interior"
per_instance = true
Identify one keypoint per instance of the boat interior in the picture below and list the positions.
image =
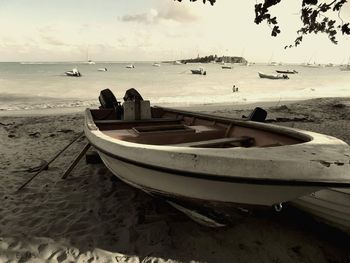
(188, 129)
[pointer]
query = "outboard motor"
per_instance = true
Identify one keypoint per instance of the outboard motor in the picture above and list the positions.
(258, 115)
(132, 95)
(108, 101)
(135, 108)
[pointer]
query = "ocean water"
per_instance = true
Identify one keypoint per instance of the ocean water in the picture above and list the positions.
(26, 86)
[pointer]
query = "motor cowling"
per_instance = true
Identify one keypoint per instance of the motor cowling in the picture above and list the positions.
(132, 95)
(109, 101)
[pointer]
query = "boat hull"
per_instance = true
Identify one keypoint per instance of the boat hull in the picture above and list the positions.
(266, 76)
(183, 185)
(286, 72)
(72, 74)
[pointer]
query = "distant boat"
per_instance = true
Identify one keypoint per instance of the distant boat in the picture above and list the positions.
(309, 65)
(156, 64)
(90, 62)
(102, 69)
(272, 63)
(270, 76)
(287, 71)
(177, 62)
(130, 66)
(73, 73)
(226, 67)
(199, 71)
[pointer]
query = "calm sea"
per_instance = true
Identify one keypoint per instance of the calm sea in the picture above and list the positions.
(44, 85)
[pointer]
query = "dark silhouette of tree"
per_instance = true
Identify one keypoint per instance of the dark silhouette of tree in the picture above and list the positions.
(316, 16)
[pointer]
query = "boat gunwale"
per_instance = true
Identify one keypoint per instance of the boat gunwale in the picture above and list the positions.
(293, 133)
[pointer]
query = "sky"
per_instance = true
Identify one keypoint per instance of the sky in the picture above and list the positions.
(156, 30)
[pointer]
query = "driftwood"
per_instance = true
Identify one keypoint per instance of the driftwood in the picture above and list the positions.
(76, 160)
(53, 159)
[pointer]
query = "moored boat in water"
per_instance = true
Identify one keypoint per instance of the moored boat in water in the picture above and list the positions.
(287, 71)
(226, 66)
(199, 71)
(212, 163)
(272, 76)
(73, 73)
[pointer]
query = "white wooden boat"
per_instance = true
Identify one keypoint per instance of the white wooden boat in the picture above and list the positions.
(287, 71)
(271, 76)
(309, 65)
(199, 71)
(331, 206)
(130, 66)
(73, 73)
(210, 162)
(226, 67)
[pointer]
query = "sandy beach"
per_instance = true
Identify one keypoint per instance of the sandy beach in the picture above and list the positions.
(93, 217)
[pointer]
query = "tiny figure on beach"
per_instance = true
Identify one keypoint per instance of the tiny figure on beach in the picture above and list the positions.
(234, 89)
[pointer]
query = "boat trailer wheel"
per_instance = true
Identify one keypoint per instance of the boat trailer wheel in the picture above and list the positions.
(278, 207)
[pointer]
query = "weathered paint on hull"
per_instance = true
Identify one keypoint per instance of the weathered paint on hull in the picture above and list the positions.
(203, 189)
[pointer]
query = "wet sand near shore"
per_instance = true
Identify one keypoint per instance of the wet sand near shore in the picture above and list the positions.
(93, 217)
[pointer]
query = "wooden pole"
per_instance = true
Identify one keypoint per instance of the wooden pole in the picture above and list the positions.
(54, 158)
(76, 160)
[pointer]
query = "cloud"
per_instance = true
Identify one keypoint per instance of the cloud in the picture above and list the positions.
(149, 17)
(178, 13)
(175, 13)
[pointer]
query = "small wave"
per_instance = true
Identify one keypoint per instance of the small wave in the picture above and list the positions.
(48, 105)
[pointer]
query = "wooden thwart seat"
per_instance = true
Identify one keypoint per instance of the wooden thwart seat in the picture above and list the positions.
(163, 128)
(137, 121)
(216, 142)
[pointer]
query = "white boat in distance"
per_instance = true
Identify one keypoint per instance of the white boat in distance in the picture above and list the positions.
(226, 66)
(102, 69)
(272, 76)
(309, 65)
(130, 66)
(199, 71)
(73, 73)
(177, 62)
(215, 163)
(156, 64)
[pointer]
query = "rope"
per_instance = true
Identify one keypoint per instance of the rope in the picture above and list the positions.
(53, 159)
